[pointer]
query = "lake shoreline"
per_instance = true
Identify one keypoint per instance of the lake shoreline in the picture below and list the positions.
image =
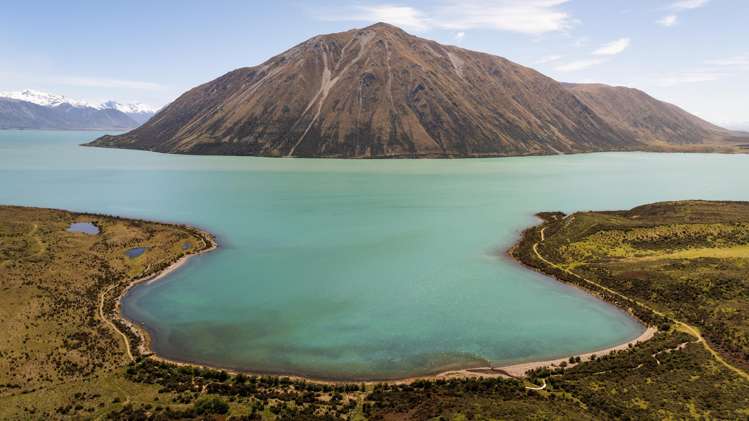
(144, 347)
(515, 370)
(706, 148)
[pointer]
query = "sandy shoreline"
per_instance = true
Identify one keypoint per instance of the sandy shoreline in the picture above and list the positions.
(518, 370)
(506, 371)
(514, 370)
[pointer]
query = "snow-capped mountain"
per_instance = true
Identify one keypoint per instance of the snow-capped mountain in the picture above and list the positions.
(135, 107)
(30, 109)
(136, 110)
(52, 100)
(44, 99)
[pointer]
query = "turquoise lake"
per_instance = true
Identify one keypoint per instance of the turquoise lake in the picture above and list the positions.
(349, 269)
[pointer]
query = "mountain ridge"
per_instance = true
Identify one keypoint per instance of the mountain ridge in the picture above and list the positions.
(379, 92)
(17, 114)
(30, 109)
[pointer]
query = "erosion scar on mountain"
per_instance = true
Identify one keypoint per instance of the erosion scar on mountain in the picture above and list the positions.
(379, 92)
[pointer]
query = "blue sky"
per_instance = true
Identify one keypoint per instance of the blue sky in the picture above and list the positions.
(694, 53)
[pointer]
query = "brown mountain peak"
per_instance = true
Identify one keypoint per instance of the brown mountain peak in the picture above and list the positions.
(384, 27)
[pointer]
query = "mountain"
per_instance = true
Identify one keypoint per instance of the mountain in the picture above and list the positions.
(137, 111)
(30, 109)
(17, 114)
(379, 92)
(43, 98)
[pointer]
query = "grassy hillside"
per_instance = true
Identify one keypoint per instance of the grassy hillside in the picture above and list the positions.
(62, 359)
(689, 260)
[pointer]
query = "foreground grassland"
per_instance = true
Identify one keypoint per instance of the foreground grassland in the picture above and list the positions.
(60, 359)
(57, 353)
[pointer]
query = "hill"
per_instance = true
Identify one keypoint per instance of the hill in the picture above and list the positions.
(379, 92)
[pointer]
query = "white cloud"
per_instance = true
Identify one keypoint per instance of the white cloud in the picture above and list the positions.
(740, 62)
(523, 16)
(578, 65)
(459, 36)
(548, 59)
(610, 49)
(712, 70)
(690, 77)
(92, 82)
(668, 21)
(680, 5)
(613, 48)
(688, 4)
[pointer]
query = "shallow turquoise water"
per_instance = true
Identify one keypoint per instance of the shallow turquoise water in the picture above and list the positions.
(358, 269)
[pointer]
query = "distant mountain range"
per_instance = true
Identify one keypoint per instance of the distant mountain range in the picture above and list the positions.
(30, 109)
(379, 92)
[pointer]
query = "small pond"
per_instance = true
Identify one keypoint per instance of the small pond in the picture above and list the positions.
(84, 227)
(135, 252)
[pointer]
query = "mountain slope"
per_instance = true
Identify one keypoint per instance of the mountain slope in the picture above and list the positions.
(380, 92)
(644, 117)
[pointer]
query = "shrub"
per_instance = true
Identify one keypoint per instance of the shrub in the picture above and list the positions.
(211, 406)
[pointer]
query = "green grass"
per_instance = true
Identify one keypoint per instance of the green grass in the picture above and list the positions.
(54, 345)
(696, 271)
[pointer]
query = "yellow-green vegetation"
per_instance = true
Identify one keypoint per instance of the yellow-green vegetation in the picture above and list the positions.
(64, 352)
(680, 266)
(57, 352)
(689, 260)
